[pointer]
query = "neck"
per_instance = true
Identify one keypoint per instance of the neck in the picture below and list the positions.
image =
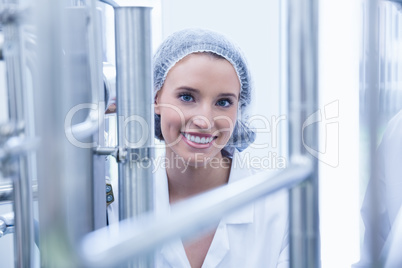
(188, 179)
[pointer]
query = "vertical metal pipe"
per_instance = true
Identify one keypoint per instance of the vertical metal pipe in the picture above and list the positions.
(302, 44)
(54, 237)
(17, 92)
(96, 67)
(371, 120)
(134, 111)
(65, 186)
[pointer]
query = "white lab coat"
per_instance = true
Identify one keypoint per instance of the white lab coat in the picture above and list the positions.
(388, 186)
(255, 236)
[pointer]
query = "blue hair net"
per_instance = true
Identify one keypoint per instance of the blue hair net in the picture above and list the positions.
(184, 42)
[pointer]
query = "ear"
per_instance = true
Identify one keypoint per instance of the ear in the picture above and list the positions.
(156, 104)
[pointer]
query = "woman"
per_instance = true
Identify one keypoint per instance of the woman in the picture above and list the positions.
(202, 89)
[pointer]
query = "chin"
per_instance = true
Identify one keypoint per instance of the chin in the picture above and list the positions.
(198, 159)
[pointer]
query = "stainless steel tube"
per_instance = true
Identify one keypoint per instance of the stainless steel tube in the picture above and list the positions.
(134, 111)
(371, 119)
(6, 193)
(186, 218)
(92, 122)
(302, 45)
(66, 199)
(134, 108)
(17, 93)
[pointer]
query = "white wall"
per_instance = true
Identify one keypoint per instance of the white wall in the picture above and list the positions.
(339, 40)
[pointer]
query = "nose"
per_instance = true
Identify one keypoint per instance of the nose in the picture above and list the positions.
(203, 119)
(202, 122)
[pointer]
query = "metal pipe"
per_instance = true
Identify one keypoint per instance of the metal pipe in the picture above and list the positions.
(95, 116)
(134, 112)
(17, 92)
(6, 193)
(7, 224)
(1, 44)
(66, 199)
(129, 3)
(3, 228)
(105, 151)
(97, 84)
(134, 107)
(371, 120)
(186, 218)
(302, 45)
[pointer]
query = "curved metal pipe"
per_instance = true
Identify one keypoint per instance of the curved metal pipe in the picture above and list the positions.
(129, 3)
(186, 218)
(95, 116)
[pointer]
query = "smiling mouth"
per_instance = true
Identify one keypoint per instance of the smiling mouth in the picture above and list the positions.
(199, 139)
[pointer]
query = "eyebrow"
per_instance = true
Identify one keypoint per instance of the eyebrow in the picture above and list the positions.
(189, 89)
(229, 95)
(198, 91)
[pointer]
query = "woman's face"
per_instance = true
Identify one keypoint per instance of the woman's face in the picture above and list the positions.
(198, 107)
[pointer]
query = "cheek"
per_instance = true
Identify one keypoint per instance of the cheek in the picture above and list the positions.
(170, 119)
(227, 123)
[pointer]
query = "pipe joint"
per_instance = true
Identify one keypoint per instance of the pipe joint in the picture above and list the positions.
(106, 151)
(6, 224)
(121, 154)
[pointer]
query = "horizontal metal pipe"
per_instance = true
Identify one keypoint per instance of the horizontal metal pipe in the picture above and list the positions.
(105, 150)
(6, 193)
(186, 218)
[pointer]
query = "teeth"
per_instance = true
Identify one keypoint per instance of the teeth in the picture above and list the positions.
(197, 139)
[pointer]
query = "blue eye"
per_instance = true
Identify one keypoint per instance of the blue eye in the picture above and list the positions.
(224, 103)
(186, 97)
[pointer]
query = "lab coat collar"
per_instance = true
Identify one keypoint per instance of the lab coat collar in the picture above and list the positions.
(244, 215)
(174, 252)
(241, 216)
